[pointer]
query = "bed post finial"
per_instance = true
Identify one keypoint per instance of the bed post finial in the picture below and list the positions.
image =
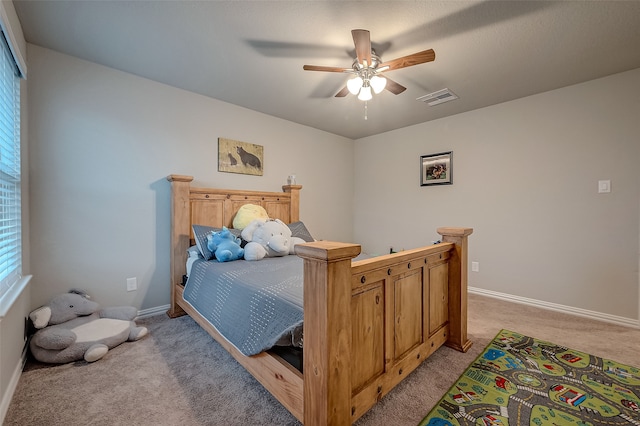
(457, 286)
(294, 190)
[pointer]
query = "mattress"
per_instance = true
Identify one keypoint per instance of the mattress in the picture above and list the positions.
(255, 305)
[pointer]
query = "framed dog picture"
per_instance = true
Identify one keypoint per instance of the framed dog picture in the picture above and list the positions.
(436, 169)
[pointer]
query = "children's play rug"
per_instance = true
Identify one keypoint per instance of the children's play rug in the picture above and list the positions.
(522, 381)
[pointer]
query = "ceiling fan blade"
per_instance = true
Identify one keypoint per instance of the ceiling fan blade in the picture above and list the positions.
(362, 41)
(326, 69)
(410, 60)
(394, 87)
(342, 93)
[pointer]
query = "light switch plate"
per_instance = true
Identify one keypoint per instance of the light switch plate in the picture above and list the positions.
(132, 284)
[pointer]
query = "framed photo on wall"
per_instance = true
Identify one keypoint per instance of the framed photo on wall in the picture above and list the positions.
(240, 157)
(436, 169)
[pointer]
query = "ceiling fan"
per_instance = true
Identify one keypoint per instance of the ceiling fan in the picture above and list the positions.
(367, 68)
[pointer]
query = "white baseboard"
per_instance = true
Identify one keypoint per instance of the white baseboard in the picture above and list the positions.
(158, 310)
(13, 384)
(600, 316)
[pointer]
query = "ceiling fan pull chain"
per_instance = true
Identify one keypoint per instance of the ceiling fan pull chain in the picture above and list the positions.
(365, 110)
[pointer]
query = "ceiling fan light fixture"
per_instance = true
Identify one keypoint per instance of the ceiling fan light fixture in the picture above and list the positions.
(365, 93)
(354, 85)
(367, 66)
(378, 83)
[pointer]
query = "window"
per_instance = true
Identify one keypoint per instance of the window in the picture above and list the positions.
(10, 208)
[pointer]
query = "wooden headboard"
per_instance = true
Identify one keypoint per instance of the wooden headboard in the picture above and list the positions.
(217, 207)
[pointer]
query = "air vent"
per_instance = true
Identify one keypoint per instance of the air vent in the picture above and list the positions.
(435, 98)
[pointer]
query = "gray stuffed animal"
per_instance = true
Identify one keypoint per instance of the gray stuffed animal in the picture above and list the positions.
(72, 327)
(268, 238)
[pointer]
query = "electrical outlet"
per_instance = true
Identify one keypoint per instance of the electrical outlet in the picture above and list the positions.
(132, 284)
(604, 186)
(475, 266)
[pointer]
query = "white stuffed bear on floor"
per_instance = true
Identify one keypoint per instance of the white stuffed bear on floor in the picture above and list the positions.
(72, 327)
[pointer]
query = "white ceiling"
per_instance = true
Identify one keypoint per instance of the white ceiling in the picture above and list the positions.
(251, 53)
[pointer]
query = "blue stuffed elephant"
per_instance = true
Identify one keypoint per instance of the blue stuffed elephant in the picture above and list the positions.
(224, 245)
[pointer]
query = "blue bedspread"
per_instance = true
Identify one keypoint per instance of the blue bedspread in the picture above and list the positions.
(254, 305)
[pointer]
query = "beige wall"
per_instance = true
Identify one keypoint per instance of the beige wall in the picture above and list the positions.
(102, 143)
(525, 178)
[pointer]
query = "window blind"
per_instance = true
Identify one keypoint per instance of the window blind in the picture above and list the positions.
(10, 203)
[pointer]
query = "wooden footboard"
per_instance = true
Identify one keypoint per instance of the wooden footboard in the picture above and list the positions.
(370, 323)
(367, 323)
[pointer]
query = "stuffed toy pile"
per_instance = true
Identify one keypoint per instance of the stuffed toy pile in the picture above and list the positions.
(263, 237)
(72, 328)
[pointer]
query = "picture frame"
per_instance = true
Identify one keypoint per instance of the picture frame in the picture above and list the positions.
(436, 169)
(240, 157)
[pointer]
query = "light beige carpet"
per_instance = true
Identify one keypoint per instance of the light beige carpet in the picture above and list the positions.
(178, 375)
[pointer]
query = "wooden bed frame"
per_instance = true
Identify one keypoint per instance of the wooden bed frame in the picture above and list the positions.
(367, 323)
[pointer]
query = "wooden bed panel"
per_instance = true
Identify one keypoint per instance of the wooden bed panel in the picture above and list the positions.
(207, 212)
(367, 336)
(438, 297)
(277, 210)
(368, 324)
(408, 330)
(409, 284)
(219, 207)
